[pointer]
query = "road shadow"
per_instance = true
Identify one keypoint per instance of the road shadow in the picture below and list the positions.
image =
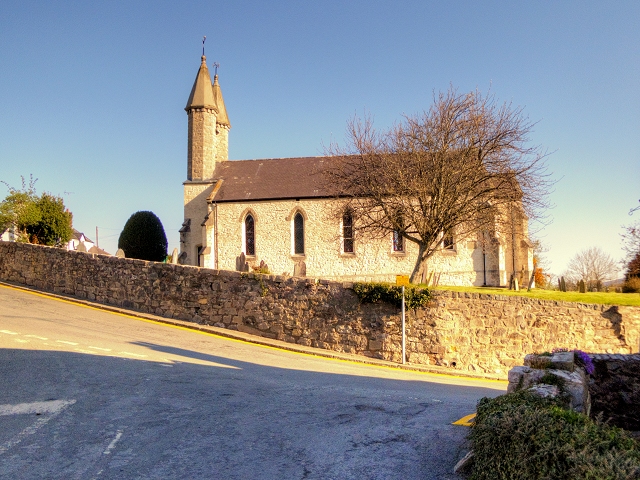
(188, 420)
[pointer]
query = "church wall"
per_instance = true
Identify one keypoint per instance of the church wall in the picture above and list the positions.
(373, 260)
(195, 208)
(468, 331)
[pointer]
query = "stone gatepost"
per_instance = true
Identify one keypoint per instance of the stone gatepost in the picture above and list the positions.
(551, 376)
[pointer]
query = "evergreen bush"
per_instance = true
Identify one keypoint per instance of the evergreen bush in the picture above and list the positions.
(523, 436)
(372, 292)
(143, 237)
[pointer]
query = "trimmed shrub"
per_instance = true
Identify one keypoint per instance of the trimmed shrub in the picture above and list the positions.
(522, 436)
(143, 237)
(372, 292)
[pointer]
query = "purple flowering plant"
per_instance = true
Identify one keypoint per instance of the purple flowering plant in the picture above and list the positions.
(581, 358)
(585, 361)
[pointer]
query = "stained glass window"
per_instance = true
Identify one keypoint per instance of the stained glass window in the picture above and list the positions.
(398, 241)
(447, 241)
(347, 232)
(298, 234)
(249, 235)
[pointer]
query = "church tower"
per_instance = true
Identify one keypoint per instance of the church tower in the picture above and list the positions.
(201, 110)
(208, 143)
(222, 123)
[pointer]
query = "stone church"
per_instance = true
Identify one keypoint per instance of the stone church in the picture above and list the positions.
(240, 213)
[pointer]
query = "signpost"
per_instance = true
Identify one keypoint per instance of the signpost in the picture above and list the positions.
(403, 280)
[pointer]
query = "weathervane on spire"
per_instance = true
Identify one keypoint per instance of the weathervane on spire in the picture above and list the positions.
(216, 65)
(203, 40)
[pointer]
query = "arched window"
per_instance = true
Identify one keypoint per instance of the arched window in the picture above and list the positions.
(398, 241)
(347, 232)
(298, 234)
(249, 235)
(448, 242)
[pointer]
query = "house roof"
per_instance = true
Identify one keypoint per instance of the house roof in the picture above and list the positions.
(98, 250)
(77, 235)
(272, 179)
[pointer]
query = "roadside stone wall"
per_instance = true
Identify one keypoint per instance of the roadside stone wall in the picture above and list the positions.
(615, 389)
(469, 332)
(495, 331)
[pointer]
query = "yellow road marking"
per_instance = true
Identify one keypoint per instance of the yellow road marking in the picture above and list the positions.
(248, 342)
(467, 421)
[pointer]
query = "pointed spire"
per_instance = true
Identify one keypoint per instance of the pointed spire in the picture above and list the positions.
(221, 118)
(201, 93)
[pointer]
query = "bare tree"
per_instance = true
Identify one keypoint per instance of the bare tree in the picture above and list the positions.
(631, 246)
(593, 266)
(462, 167)
(540, 263)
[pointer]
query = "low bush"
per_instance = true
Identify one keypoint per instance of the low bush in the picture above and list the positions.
(372, 292)
(522, 436)
(632, 285)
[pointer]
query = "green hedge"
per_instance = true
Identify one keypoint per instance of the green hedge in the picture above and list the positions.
(372, 292)
(522, 436)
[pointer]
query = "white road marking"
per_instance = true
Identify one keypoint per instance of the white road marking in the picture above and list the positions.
(53, 408)
(30, 430)
(36, 336)
(8, 332)
(20, 340)
(113, 443)
(102, 349)
(165, 365)
(67, 343)
(134, 354)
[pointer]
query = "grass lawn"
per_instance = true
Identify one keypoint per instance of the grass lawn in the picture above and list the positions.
(630, 299)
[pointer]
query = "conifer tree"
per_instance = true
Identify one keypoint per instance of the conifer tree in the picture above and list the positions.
(143, 237)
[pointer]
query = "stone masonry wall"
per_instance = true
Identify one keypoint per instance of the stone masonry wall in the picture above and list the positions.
(201, 153)
(195, 209)
(324, 256)
(615, 389)
(470, 332)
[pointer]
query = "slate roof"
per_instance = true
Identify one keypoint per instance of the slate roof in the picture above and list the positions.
(98, 250)
(272, 179)
(77, 235)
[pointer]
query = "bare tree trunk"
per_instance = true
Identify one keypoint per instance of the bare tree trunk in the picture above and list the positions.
(420, 266)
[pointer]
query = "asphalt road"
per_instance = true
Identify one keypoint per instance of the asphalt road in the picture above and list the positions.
(90, 394)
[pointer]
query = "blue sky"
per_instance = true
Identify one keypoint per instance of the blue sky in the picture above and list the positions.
(92, 93)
